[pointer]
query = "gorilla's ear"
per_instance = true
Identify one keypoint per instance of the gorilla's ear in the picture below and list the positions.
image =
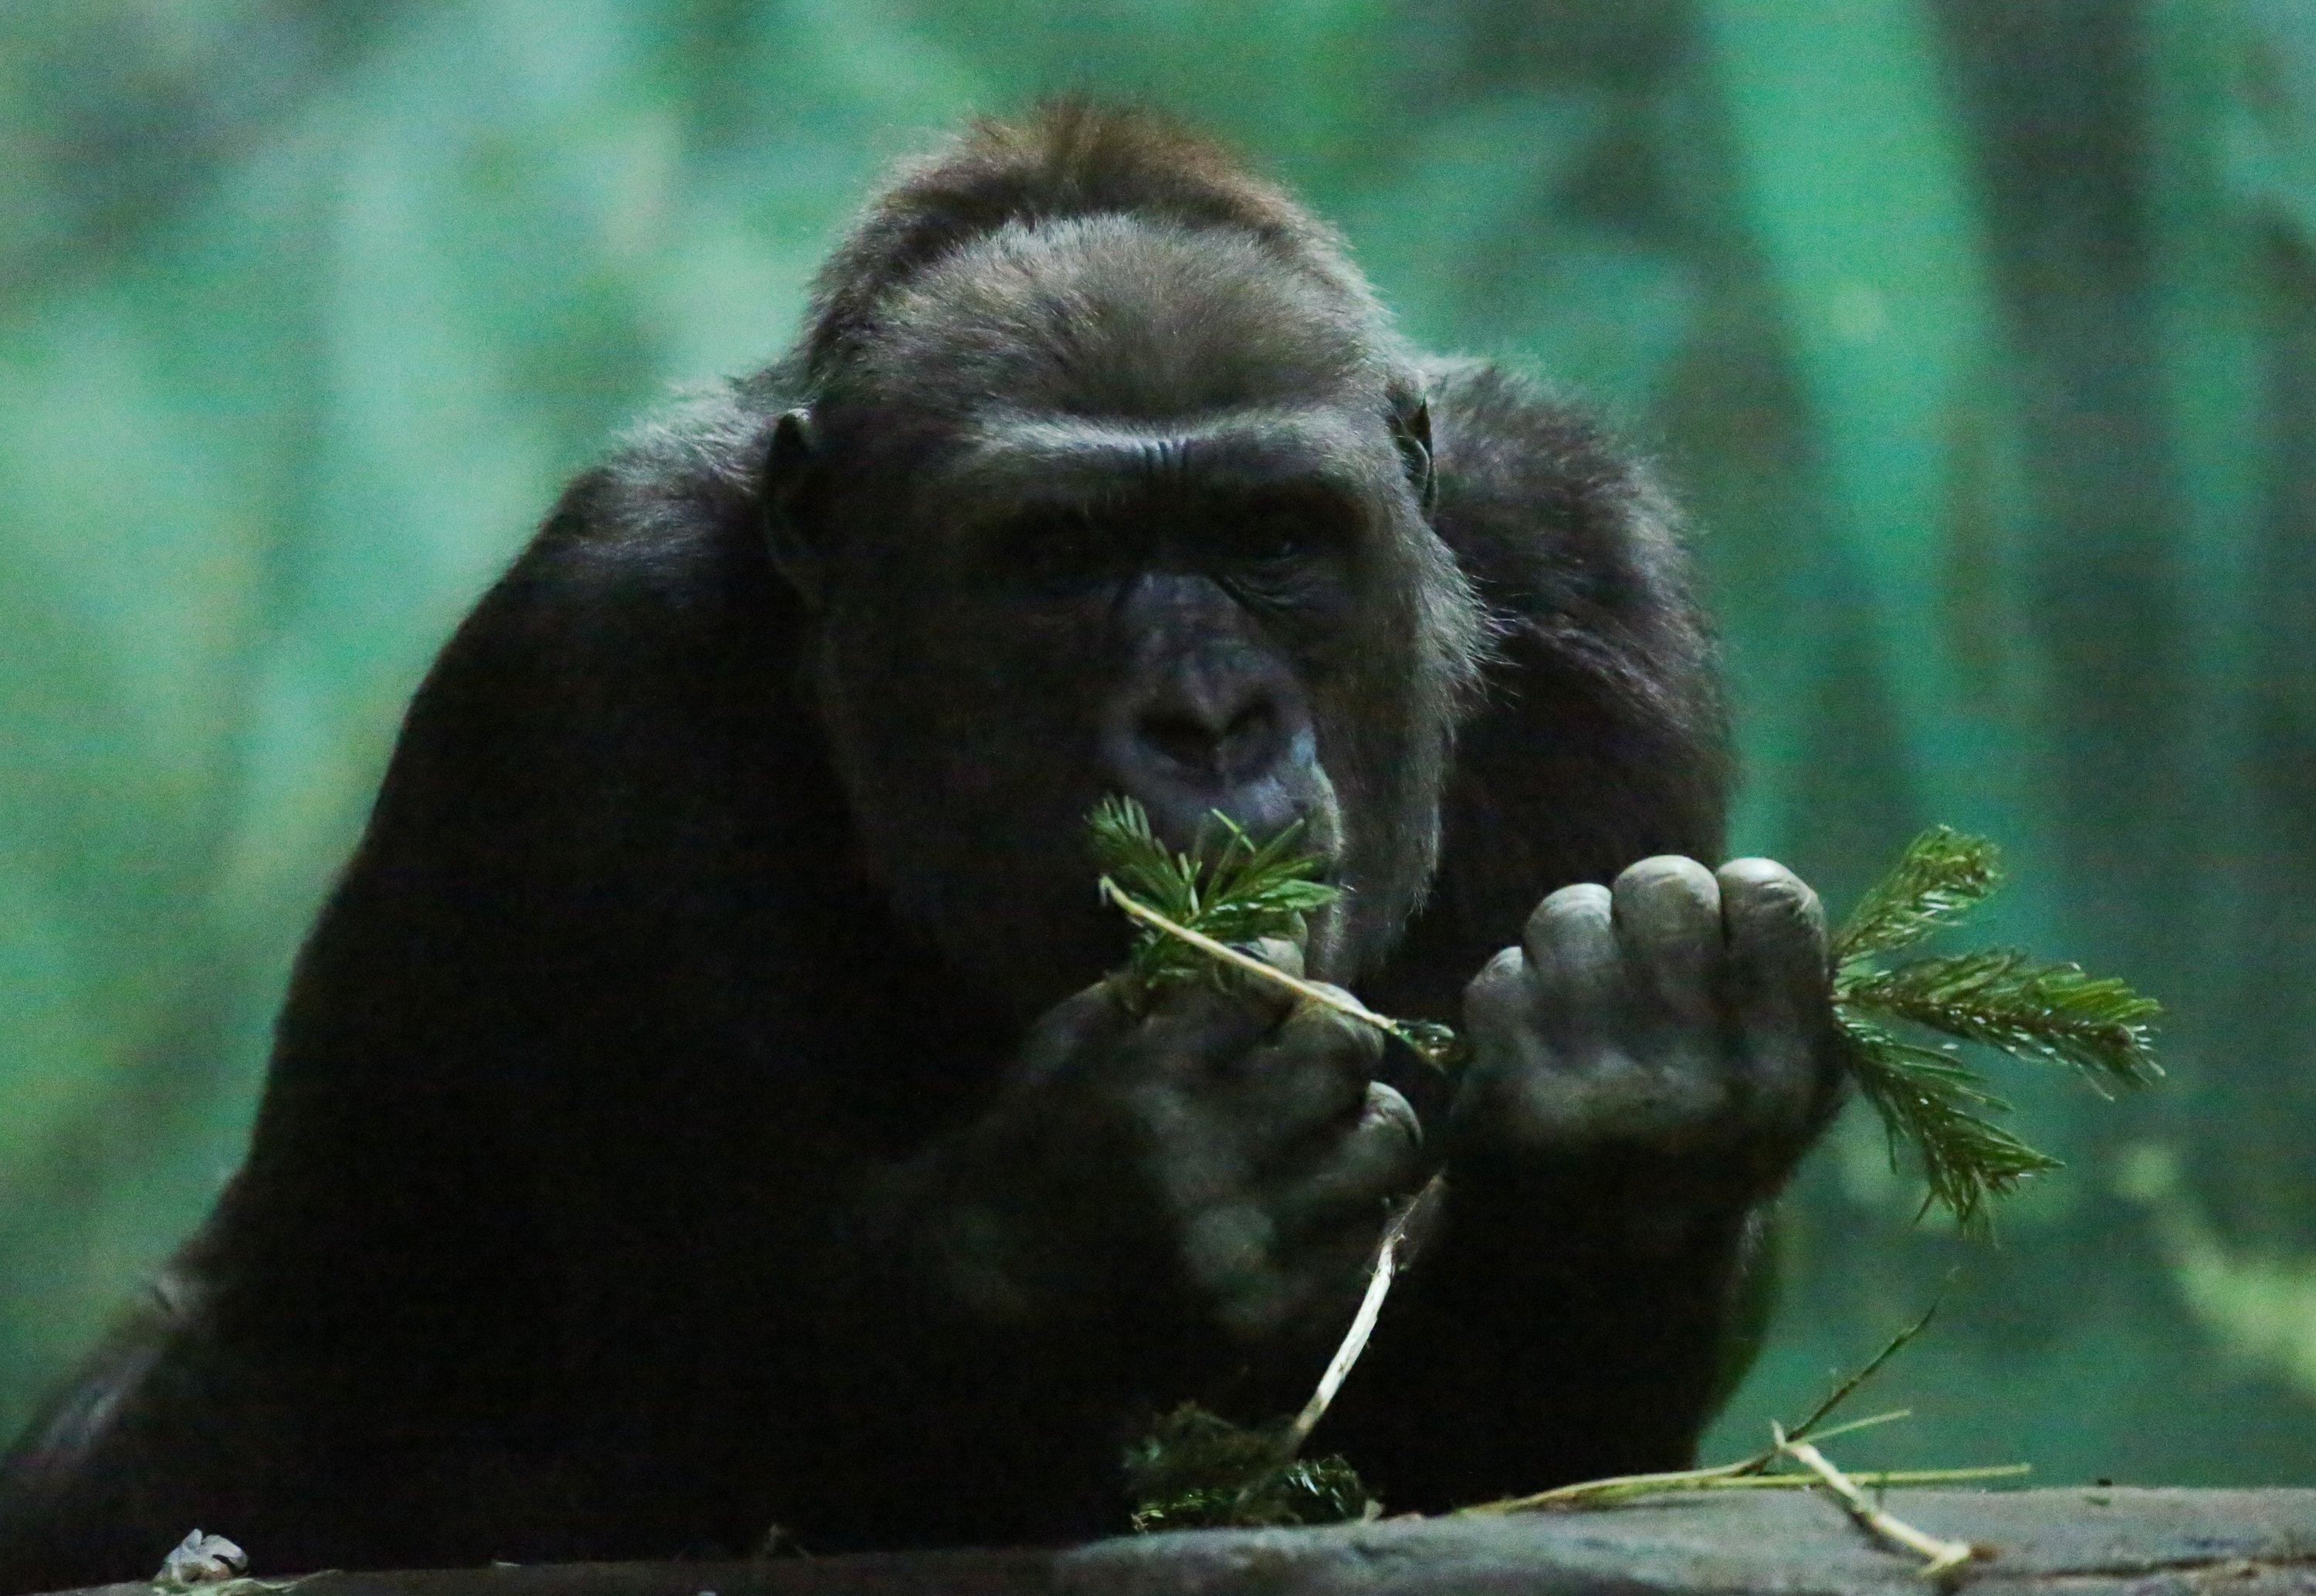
(790, 464)
(1411, 428)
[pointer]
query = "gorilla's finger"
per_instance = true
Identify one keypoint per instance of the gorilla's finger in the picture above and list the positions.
(1501, 1001)
(1667, 911)
(1286, 1099)
(1314, 1027)
(1388, 1106)
(1776, 938)
(1227, 1249)
(1199, 1022)
(1571, 942)
(1380, 1158)
(1311, 1077)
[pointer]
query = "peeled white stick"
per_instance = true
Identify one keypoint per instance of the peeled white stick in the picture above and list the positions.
(1944, 1555)
(1381, 1271)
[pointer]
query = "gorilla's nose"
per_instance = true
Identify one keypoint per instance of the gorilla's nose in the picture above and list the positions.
(1214, 734)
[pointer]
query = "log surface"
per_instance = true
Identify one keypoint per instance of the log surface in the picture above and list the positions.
(2100, 1542)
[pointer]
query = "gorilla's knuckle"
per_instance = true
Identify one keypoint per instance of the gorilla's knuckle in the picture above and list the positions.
(1668, 908)
(1280, 953)
(1500, 1001)
(1500, 978)
(1674, 875)
(1313, 1089)
(1568, 911)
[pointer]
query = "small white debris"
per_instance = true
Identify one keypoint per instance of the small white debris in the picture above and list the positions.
(200, 1560)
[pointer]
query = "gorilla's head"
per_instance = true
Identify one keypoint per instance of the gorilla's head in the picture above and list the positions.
(1087, 499)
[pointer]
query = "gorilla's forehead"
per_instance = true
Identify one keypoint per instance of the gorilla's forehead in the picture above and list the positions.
(1123, 318)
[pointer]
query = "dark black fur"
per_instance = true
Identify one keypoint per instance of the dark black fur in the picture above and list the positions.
(568, 1229)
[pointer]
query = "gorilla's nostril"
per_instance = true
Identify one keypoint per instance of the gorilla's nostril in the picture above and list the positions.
(1250, 728)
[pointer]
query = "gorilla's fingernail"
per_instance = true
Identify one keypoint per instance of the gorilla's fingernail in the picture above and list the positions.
(1281, 954)
(1386, 1106)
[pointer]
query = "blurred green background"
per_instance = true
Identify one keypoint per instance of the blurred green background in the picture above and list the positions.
(1979, 335)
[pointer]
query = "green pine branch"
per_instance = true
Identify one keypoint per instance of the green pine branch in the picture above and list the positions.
(1998, 998)
(1931, 1100)
(1238, 892)
(2053, 1014)
(1938, 881)
(1198, 915)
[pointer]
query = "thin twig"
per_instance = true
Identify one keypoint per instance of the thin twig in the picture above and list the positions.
(1382, 1268)
(1942, 1557)
(1614, 1485)
(1848, 1388)
(1604, 1493)
(1880, 1478)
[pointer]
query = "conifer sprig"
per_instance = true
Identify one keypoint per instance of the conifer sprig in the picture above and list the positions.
(1999, 998)
(1196, 914)
(1239, 893)
(1930, 1099)
(1938, 881)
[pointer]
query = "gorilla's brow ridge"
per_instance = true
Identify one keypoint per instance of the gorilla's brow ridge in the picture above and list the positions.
(1257, 446)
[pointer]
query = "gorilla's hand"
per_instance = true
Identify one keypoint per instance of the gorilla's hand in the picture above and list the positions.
(1659, 1053)
(1226, 1151)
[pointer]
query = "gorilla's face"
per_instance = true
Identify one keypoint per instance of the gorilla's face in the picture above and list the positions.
(1109, 506)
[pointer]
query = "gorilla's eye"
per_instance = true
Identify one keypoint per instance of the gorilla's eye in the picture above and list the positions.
(1274, 539)
(1283, 529)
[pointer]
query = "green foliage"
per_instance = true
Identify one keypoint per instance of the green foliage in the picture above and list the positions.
(1235, 895)
(1196, 1470)
(1929, 1099)
(1998, 998)
(1939, 879)
(2055, 1014)
(1238, 893)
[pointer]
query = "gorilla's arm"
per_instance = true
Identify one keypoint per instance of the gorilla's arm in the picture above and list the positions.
(516, 1077)
(1637, 1097)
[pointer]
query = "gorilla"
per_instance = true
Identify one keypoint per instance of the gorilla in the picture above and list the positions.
(691, 1113)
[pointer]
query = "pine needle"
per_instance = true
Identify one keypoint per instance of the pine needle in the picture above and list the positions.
(1931, 1100)
(2054, 1014)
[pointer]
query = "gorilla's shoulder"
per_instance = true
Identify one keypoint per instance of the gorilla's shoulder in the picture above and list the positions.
(1560, 524)
(651, 563)
(674, 496)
